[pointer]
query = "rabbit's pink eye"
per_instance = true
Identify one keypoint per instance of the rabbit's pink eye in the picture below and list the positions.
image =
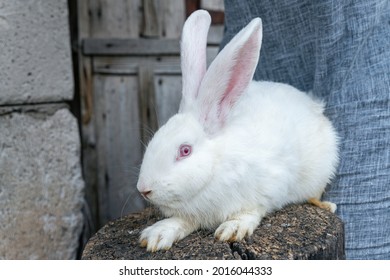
(184, 151)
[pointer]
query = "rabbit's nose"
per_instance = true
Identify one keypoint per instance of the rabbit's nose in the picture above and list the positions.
(145, 193)
(143, 189)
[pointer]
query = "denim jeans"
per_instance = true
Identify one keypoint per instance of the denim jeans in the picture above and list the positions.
(340, 50)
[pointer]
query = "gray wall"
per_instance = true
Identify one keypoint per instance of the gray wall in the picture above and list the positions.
(41, 187)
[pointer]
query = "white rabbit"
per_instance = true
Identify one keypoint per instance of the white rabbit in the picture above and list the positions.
(238, 149)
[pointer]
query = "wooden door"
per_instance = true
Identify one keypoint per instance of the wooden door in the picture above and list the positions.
(130, 84)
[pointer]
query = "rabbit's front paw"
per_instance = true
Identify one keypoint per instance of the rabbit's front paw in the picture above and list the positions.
(327, 205)
(234, 230)
(161, 235)
(238, 226)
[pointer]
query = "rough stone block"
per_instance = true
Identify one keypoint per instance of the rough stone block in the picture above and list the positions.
(35, 52)
(41, 187)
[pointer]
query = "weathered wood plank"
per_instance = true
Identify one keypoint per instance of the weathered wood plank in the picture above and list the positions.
(171, 16)
(141, 46)
(148, 114)
(118, 145)
(132, 69)
(150, 24)
(213, 5)
(168, 96)
(163, 64)
(115, 18)
(215, 35)
(169, 65)
(113, 46)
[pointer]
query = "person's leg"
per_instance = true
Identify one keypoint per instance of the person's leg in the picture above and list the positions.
(341, 52)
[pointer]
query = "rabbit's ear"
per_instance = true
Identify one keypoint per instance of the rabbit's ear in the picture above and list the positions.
(229, 76)
(193, 56)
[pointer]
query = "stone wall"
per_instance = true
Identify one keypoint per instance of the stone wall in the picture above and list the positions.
(41, 187)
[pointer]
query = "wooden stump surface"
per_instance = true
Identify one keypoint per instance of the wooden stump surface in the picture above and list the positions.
(295, 232)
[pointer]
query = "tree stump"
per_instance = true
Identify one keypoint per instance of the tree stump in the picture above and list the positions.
(295, 232)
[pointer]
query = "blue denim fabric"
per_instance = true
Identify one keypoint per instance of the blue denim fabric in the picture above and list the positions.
(341, 51)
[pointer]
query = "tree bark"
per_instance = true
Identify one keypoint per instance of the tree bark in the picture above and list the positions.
(295, 232)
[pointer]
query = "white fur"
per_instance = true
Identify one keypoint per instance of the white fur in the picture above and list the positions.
(257, 146)
(193, 44)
